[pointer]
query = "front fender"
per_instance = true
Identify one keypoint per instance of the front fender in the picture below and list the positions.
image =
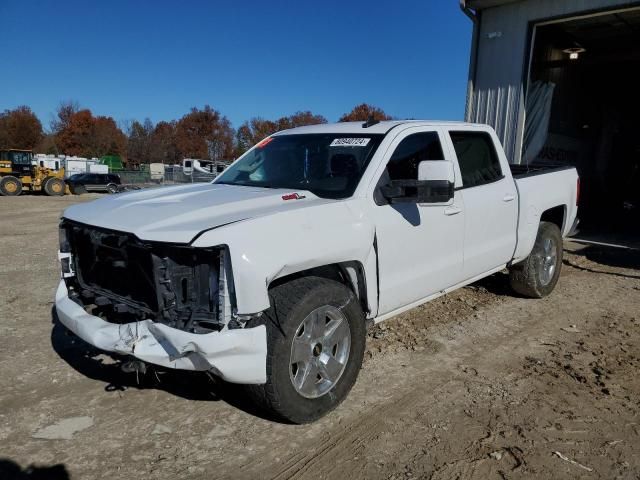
(266, 248)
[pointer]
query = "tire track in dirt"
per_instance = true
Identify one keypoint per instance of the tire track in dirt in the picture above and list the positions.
(346, 443)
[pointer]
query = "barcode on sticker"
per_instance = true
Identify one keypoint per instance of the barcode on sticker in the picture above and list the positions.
(350, 142)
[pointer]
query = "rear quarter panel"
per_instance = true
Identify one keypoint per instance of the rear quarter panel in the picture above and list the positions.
(539, 193)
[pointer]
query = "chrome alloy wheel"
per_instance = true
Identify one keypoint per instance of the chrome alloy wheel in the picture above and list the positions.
(320, 351)
(548, 260)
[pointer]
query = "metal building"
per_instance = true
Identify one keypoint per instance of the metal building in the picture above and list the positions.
(559, 80)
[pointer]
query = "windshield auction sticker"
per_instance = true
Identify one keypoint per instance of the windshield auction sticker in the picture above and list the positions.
(350, 142)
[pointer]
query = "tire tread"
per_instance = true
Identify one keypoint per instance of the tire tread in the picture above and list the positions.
(284, 299)
(523, 276)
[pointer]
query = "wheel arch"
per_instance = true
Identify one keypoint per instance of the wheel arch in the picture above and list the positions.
(529, 224)
(556, 215)
(349, 273)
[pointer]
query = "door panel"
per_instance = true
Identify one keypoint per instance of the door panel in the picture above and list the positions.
(420, 251)
(490, 226)
(490, 198)
(420, 247)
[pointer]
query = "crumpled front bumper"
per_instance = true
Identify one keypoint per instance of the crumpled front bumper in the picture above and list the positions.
(237, 356)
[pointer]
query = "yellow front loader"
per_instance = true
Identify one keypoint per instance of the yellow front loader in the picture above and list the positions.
(17, 173)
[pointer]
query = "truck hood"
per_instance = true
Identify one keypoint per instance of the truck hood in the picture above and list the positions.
(177, 214)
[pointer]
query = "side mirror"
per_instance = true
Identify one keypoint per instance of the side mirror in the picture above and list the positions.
(434, 185)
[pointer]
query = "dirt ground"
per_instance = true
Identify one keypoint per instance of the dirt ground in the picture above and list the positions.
(478, 384)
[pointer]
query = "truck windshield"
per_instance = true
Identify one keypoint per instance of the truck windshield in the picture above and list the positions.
(328, 165)
(21, 158)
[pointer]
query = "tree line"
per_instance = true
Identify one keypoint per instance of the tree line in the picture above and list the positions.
(200, 133)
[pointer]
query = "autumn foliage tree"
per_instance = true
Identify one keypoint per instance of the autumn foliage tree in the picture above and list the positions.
(163, 143)
(139, 142)
(200, 132)
(363, 112)
(20, 128)
(300, 119)
(254, 130)
(88, 136)
(47, 145)
(64, 112)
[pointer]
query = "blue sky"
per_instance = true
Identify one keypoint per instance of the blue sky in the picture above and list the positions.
(157, 59)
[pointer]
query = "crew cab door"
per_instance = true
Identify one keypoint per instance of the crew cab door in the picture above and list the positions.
(419, 245)
(91, 182)
(490, 198)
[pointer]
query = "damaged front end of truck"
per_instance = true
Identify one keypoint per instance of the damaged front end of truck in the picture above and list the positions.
(167, 304)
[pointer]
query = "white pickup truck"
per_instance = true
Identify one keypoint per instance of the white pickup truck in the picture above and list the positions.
(269, 275)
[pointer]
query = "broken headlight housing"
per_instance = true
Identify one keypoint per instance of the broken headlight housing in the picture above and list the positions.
(63, 238)
(122, 279)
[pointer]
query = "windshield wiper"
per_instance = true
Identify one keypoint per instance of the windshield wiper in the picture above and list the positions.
(239, 184)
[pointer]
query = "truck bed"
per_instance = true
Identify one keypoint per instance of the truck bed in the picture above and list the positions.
(522, 171)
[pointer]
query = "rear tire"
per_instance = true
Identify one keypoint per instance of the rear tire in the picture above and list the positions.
(78, 189)
(321, 316)
(54, 187)
(10, 186)
(537, 275)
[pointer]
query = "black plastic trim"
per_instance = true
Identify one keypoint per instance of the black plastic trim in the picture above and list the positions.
(533, 169)
(375, 249)
(502, 177)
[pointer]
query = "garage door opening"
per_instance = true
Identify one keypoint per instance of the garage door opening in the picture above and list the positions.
(583, 107)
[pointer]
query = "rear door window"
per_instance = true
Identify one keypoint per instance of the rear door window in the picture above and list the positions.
(477, 158)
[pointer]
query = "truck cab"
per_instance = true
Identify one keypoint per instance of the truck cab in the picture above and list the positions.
(16, 162)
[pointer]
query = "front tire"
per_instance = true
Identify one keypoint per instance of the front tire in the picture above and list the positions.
(10, 186)
(537, 275)
(315, 343)
(54, 187)
(77, 189)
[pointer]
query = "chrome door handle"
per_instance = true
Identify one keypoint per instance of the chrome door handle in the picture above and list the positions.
(452, 210)
(508, 198)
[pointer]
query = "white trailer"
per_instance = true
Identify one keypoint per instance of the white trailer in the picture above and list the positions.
(209, 167)
(75, 165)
(48, 161)
(97, 168)
(156, 170)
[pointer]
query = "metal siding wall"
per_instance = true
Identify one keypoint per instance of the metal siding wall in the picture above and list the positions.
(497, 97)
